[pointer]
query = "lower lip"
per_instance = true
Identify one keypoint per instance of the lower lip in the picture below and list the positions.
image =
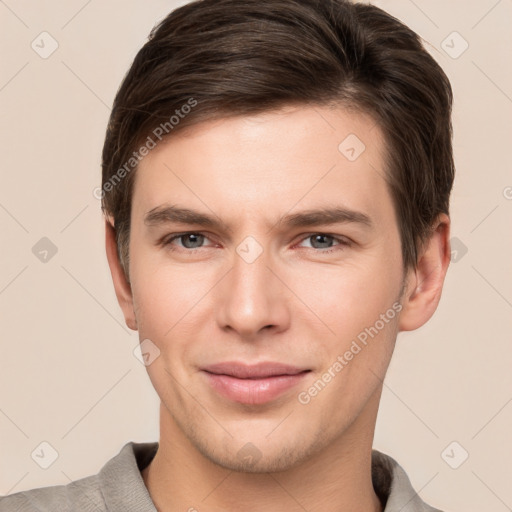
(253, 391)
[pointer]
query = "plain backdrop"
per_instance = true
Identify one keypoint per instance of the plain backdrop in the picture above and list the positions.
(69, 376)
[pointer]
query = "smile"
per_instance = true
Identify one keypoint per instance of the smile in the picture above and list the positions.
(253, 384)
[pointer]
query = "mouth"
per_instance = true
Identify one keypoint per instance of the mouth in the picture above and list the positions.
(253, 384)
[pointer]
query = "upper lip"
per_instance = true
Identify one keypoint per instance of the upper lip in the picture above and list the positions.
(253, 371)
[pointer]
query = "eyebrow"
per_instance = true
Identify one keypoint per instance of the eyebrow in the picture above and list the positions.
(166, 214)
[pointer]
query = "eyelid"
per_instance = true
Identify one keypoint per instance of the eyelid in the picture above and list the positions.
(343, 240)
(167, 239)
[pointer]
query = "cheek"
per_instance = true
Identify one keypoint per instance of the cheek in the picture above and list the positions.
(165, 303)
(352, 296)
(174, 311)
(364, 319)
(165, 292)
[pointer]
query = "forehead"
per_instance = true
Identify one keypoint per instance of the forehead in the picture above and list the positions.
(268, 164)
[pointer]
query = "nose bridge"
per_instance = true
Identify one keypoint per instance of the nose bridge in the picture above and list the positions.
(251, 296)
(250, 263)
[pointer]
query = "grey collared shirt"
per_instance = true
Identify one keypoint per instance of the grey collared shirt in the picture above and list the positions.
(119, 487)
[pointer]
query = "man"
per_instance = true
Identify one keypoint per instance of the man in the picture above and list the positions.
(276, 181)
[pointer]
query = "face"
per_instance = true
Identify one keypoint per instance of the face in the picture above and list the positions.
(273, 300)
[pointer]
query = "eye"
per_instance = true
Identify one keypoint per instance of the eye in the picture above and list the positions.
(189, 240)
(324, 241)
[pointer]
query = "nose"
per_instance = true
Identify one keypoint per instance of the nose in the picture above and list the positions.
(252, 299)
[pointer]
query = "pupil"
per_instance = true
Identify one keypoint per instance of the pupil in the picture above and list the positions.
(193, 238)
(320, 237)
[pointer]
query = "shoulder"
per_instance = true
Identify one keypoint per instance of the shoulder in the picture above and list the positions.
(83, 495)
(118, 486)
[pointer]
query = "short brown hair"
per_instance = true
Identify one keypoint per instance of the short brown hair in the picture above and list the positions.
(226, 58)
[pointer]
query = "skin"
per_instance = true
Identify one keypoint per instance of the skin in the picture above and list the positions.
(202, 303)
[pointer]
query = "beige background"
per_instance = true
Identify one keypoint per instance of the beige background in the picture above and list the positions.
(68, 374)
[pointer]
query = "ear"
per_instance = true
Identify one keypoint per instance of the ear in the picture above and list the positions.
(425, 282)
(121, 285)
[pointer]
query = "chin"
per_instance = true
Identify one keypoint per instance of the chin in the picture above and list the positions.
(250, 458)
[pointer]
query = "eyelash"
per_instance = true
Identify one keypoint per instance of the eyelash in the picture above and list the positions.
(342, 242)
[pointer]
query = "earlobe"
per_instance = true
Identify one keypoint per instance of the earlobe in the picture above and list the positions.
(425, 281)
(121, 285)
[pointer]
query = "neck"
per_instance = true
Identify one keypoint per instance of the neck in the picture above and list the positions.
(337, 478)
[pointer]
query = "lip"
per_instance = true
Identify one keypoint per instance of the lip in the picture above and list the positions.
(252, 371)
(253, 384)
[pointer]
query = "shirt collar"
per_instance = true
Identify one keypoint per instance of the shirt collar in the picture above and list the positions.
(393, 487)
(123, 488)
(121, 482)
